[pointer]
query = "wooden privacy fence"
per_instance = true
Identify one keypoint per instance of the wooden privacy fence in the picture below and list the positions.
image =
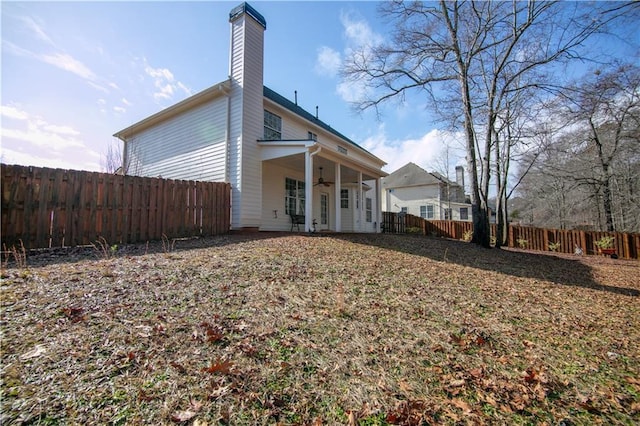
(45, 207)
(564, 241)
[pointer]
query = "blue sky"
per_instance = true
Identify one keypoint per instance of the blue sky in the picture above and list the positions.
(74, 73)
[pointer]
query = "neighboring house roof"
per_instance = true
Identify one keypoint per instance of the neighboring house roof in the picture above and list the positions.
(413, 175)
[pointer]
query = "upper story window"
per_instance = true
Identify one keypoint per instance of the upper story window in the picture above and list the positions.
(272, 126)
(312, 136)
(464, 213)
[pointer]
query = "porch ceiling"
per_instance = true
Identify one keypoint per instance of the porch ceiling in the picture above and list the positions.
(296, 162)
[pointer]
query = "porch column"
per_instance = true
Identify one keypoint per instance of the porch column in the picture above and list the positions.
(361, 204)
(308, 190)
(378, 185)
(338, 180)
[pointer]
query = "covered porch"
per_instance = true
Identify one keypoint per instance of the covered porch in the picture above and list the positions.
(333, 191)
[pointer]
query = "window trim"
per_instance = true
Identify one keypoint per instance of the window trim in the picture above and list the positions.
(466, 213)
(277, 130)
(298, 197)
(344, 201)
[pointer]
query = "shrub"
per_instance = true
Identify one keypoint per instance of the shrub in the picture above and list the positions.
(605, 242)
(522, 243)
(554, 246)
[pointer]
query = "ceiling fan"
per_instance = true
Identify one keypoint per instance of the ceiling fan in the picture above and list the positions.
(321, 180)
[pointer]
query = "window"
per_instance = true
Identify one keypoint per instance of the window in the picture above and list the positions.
(294, 196)
(423, 212)
(430, 214)
(344, 198)
(312, 136)
(447, 214)
(464, 213)
(368, 209)
(403, 210)
(272, 126)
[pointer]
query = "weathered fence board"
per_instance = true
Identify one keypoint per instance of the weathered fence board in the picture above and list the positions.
(627, 245)
(45, 207)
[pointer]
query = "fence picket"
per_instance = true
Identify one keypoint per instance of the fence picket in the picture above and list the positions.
(627, 245)
(46, 207)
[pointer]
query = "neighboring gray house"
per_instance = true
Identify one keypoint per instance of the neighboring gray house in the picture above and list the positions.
(279, 159)
(429, 195)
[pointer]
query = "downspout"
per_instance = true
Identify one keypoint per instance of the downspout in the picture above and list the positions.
(337, 198)
(227, 137)
(379, 190)
(360, 206)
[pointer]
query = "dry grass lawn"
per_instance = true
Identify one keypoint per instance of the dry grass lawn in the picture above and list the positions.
(324, 329)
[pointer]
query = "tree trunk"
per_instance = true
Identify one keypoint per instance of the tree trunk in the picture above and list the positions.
(606, 200)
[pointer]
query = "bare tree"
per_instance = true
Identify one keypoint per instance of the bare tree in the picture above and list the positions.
(606, 111)
(111, 160)
(468, 57)
(589, 173)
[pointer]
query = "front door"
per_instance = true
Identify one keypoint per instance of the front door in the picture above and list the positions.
(324, 211)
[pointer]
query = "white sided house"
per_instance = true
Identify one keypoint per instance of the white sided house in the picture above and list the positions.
(279, 159)
(431, 196)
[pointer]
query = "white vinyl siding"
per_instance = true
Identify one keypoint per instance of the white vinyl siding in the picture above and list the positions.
(247, 121)
(191, 146)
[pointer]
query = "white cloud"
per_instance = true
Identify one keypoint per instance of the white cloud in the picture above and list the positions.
(358, 35)
(12, 112)
(423, 151)
(11, 156)
(328, 61)
(36, 28)
(165, 83)
(126, 102)
(119, 109)
(69, 63)
(38, 132)
(61, 130)
(358, 32)
(351, 91)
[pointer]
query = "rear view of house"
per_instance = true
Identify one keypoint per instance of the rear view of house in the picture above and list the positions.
(279, 159)
(429, 195)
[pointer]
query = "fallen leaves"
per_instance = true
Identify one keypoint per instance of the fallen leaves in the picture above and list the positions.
(188, 414)
(273, 329)
(37, 351)
(219, 367)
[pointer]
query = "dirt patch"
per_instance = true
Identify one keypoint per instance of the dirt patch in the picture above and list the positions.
(324, 329)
